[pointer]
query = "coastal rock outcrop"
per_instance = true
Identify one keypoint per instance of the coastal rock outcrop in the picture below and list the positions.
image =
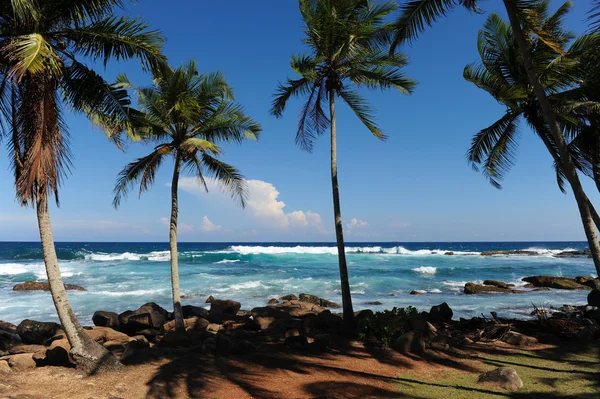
(41, 286)
(499, 284)
(472, 288)
(562, 283)
(315, 300)
(441, 313)
(510, 252)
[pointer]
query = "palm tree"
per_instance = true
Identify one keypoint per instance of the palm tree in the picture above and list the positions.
(185, 114)
(523, 15)
(40, 74)
(348, 41)
(501, 74)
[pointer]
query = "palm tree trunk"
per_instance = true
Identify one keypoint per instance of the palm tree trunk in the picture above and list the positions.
(88, 354)
(595, 215)
(339, 233)
(548, 114)
(179, 324)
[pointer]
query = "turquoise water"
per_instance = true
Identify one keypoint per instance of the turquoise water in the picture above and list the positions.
(120, 276)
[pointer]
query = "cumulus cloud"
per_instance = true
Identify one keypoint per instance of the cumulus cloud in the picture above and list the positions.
(263, 203)
(181, 227)
(207, 225)
(357, 224)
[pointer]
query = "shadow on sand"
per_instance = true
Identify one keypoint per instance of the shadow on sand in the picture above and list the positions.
(351, 371)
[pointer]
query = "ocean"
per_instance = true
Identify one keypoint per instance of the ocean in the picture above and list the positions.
(121, 276)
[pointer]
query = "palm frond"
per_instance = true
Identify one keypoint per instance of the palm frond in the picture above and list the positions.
(228, 177)
(362, 110)
(142, 169)
(119, 39)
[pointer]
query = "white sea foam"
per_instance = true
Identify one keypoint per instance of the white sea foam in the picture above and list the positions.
(425, 270)
(227, 261)
(246, 285)
(299, 249)
(155, 256)
(130, 293)
(435, 291)
(12, 269)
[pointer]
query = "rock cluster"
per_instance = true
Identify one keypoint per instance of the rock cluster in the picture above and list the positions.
(41, 286)
(538, 282)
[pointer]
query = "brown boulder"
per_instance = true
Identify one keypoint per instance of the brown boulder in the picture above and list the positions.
(4, 367)
(224, 306)
(271, 312)
(273, 301)
(299, 308)
(15, 350)
(496, 283)
(23, 361)
(40, 286)
(290, 297)
(192, 323)
(309, 298)
(471, 289)
(103, 334)
(410, 342)
(561, 283)
(515, 338)
(56, 355)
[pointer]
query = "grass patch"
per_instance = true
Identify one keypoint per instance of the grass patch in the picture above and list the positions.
(548, 373)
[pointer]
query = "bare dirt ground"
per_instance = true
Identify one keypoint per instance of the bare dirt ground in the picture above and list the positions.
(353, 371)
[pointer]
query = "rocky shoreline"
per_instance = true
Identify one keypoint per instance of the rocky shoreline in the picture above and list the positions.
(301, 323)
(537, 283)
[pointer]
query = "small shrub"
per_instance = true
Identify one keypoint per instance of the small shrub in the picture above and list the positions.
(386, 326)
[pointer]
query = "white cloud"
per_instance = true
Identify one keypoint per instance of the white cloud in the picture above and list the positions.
(181, 227)
(357, 224)
(263, 203)
(207, 225)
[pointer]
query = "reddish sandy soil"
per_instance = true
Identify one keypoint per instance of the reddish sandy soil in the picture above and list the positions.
(354, 371)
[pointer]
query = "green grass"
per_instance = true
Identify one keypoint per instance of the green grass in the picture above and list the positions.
(545, 374)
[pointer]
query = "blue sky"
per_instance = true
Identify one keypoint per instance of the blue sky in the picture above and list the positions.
(416, 186)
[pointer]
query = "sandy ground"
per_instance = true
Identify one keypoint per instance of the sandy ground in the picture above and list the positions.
(354, 371)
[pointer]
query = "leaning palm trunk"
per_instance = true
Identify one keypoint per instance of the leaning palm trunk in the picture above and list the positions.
(88, 354)
(565, 158)
(178, 313)
(339, 233)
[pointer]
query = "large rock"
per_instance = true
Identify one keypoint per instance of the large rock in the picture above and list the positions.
(193, 311)
(561, 283)
(8, 340)
(410, 342)
(106, 319)
(515, 338)
(309, 298)
(176, 339)
(40, 286)
(8, 327)
(17, 349)
(591, 282)
(21, 362)
(36, 332)
(440, 313)
(271, 312)
(496, 283)
(56, 355)
(472, 288)
(299, 308)
(191, 323)
(104, 334)
(290, 297)
(149, 315)
(594, 298)
(224, 306)
(502, 377)
(4, 367)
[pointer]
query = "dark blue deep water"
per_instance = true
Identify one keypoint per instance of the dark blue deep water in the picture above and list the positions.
(120, 276)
